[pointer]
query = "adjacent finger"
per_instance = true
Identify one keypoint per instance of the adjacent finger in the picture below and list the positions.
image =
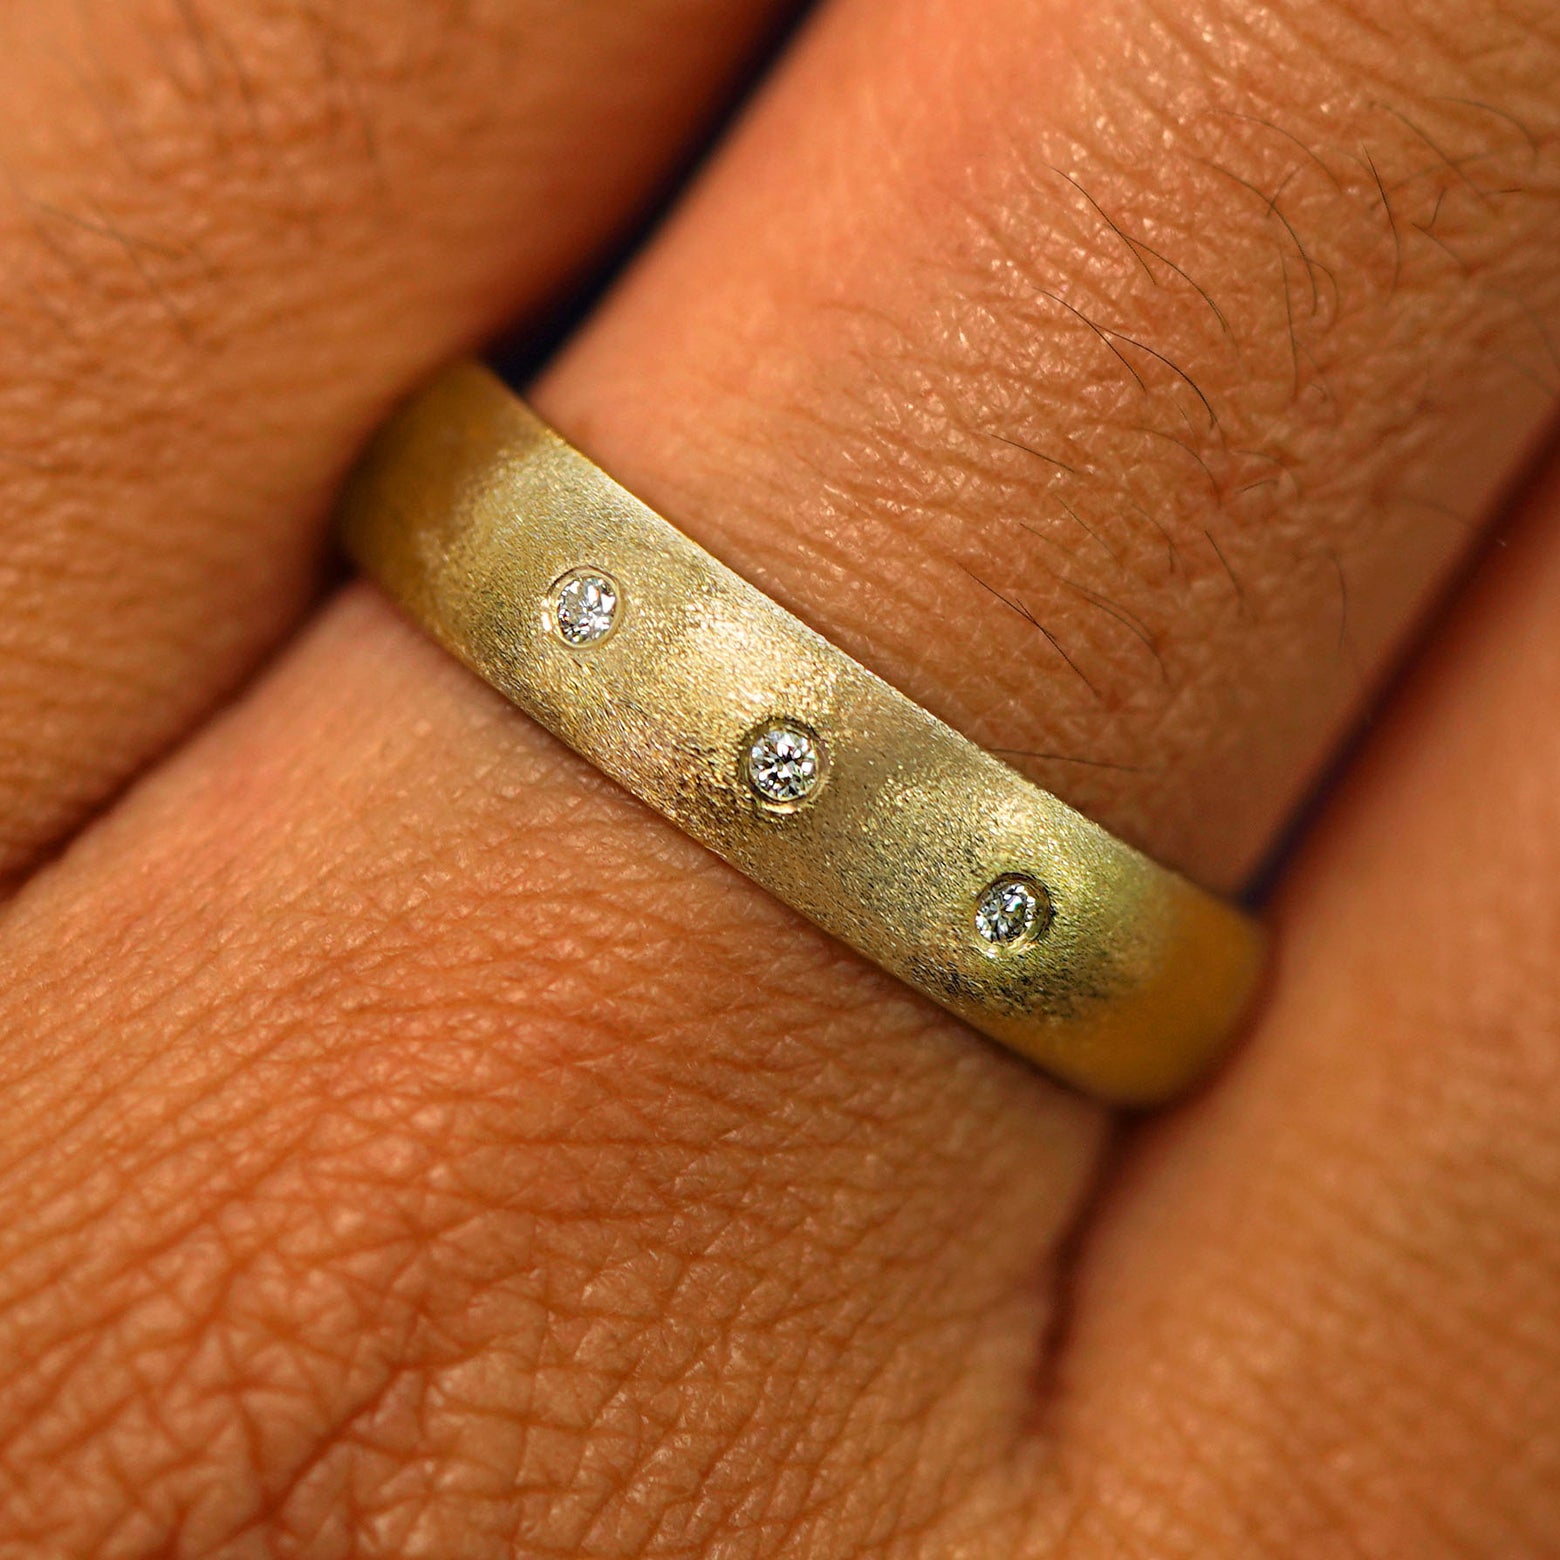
(597, 1203)
(512, 1170)
(234, 235)
(1324, 1299)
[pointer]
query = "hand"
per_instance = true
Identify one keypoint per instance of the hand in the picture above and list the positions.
(412, 1147)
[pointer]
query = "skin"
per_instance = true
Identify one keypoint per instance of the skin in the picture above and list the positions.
(233, 241)
(411, 1147)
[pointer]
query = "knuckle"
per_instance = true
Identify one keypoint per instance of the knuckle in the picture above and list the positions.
(413, 1264)
(1177, 356)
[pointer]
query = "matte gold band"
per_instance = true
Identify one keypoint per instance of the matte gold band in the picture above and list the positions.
(871, 817)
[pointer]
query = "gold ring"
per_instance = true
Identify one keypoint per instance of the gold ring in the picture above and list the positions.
(832, 790)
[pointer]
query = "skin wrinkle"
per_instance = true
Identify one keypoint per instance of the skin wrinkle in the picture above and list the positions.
(567, 1109)
(207, 209)
(372, 1332)
(654, 1131)
(1223, 562)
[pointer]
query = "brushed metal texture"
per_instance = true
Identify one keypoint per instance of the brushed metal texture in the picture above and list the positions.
(468, 509)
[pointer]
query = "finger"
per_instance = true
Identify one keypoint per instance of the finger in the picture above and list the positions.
(515, 1213)
(1215, 389)
(1324, 1300)
(234, 236)
(635, 1215)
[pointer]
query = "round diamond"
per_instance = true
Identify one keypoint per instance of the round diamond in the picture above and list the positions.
(784, 763)
(1010, 910)
(585, 607)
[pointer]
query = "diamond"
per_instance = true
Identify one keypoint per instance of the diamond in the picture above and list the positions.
(585, 606)
(784, 763)
(1010, 910)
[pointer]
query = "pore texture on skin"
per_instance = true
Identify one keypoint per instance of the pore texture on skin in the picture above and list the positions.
(410, 1146)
